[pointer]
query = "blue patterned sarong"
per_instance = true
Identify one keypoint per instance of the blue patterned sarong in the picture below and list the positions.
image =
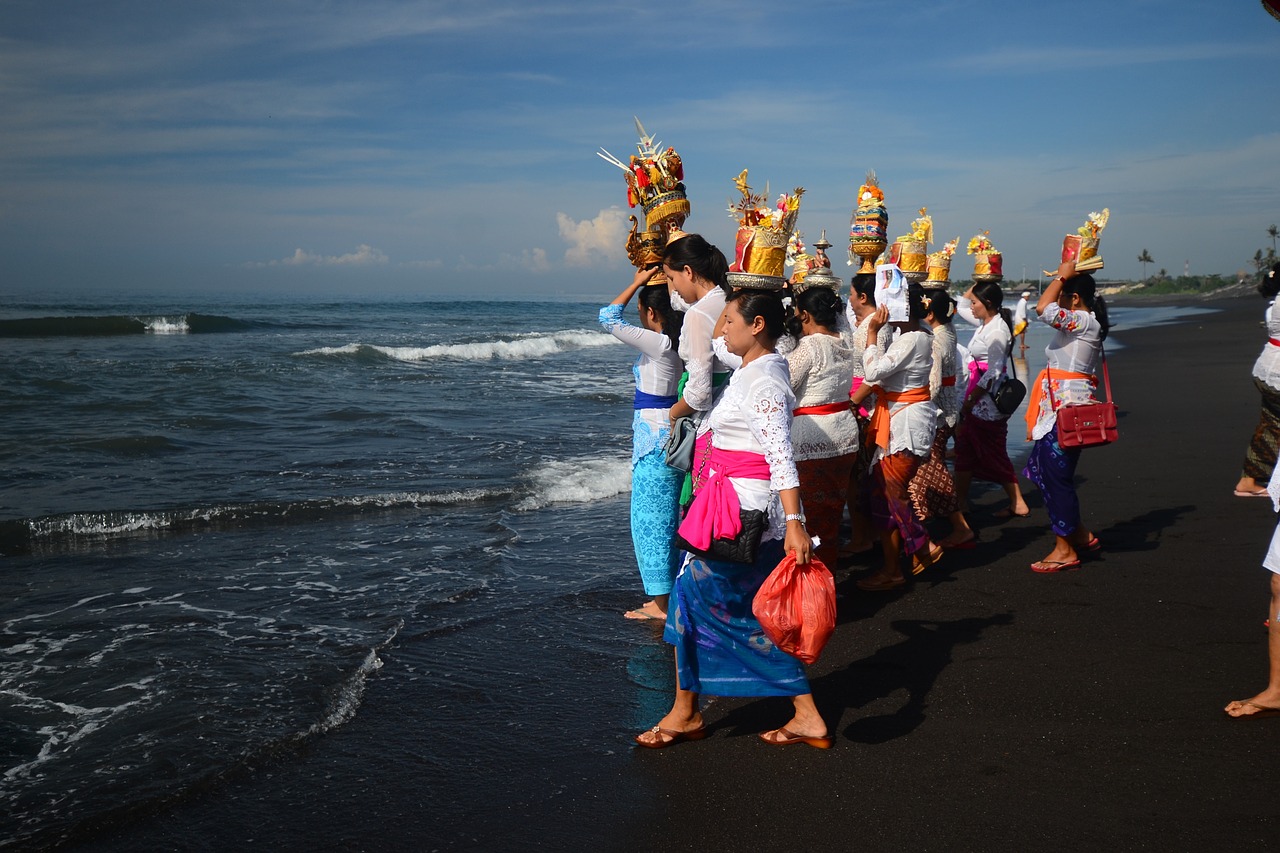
(720, 647)
(655, 512)
(1053, 470)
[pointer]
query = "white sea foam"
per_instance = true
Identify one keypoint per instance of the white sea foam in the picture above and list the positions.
(577, 481)
(167, 325)
(521, 346)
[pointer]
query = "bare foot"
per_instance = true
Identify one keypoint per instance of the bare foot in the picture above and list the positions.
(958, 539)
(648, 610)
(1265, 704)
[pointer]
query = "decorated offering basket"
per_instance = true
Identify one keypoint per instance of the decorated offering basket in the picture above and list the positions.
(988, 266)
(911, 258)
(760, 245)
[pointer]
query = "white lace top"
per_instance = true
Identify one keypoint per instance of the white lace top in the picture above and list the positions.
(657, 371)
(946, 362)
(990, 344)
(821, 371)
(695, 349)
(1267, 367)
(1076, 347)
(906, 364)
(754, 414)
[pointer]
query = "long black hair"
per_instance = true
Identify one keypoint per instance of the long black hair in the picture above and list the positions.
(766, 304)
(1083, 285)
(864, 284)
(991, 295)
(1269, 286)
(657, 298)
(823, 305)
(706, 261)
(941, 306)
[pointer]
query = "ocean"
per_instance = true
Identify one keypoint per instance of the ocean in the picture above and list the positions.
(317, 574)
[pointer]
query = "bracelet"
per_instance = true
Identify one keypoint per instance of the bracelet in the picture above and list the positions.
(795, 516)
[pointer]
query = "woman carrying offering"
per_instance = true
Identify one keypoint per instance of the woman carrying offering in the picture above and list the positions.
(1071, 306)
(861, 306)
(824, 434)
(655, 487)
(933, 491)
(903, 426)
(982, 435)
(697, 272)
(720, 647)
(1260, 458)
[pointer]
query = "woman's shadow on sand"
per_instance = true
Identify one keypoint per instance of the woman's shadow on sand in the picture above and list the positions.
(913, 664)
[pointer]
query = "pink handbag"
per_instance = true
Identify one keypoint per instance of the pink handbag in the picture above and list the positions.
(1087, 424)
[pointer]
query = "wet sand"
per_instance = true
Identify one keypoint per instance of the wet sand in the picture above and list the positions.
(993, 708)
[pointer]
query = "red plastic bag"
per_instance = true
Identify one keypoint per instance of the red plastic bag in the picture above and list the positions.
(796, 605)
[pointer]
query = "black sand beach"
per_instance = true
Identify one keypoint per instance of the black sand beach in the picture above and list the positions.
(986, 708)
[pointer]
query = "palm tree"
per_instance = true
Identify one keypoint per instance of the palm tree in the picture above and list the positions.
(1162, 275)
(1144, 259)
(1274, 232)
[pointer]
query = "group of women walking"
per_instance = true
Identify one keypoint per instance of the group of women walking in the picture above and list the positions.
(802, 410)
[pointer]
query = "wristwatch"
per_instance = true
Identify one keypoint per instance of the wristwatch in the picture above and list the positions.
(795, 516)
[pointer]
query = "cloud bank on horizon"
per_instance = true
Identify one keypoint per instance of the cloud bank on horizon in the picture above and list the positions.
(432, 146)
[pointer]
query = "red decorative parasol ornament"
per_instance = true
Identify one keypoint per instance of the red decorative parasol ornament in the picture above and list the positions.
(1272, 7)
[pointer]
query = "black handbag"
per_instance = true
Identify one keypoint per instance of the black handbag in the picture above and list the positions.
(678, 446)
(740, 549)
(1009, 396)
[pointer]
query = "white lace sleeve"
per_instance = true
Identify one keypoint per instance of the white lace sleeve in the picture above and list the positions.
(769, 414)
(800, 361)
(721, 350)
(964, 308)
(877, 366)
(695, 349)
(938, 345)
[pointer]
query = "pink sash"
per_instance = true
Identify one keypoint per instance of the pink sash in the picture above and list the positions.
(714, 511)
(976, 369)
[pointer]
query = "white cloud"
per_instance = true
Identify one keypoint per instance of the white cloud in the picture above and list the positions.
(364, 255)
(594, 240)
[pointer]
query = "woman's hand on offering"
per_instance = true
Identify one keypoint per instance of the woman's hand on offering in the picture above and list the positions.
(1066, 270)
(643, 275)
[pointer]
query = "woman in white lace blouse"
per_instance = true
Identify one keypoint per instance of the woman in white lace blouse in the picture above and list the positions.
(1072, 306)
(655, 487)
(720, 647)
(824, 434)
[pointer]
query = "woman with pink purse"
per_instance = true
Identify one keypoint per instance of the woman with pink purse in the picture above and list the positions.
(1071, 305)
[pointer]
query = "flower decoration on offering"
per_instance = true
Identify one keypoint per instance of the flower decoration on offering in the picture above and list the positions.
(655, 181)
(988, 263)
(869, 227)
(940, 262)
(910, 253)
(818, 272)
(1082, 246)
(764, 232)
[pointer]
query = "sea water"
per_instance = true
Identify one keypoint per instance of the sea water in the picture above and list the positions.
(283, 570)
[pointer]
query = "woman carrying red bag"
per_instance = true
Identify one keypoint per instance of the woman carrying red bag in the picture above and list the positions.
(720, 646)
(1072, 306)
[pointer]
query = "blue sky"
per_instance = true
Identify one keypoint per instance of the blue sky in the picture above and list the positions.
(448, 147)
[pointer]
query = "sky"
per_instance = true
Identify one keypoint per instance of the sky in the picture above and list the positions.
(448, 148)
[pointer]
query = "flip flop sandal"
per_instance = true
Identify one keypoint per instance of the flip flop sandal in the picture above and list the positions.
(789, 738)
(673, 737)
(1045, 567)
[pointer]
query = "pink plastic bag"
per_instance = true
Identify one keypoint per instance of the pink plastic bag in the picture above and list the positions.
(796, 605)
